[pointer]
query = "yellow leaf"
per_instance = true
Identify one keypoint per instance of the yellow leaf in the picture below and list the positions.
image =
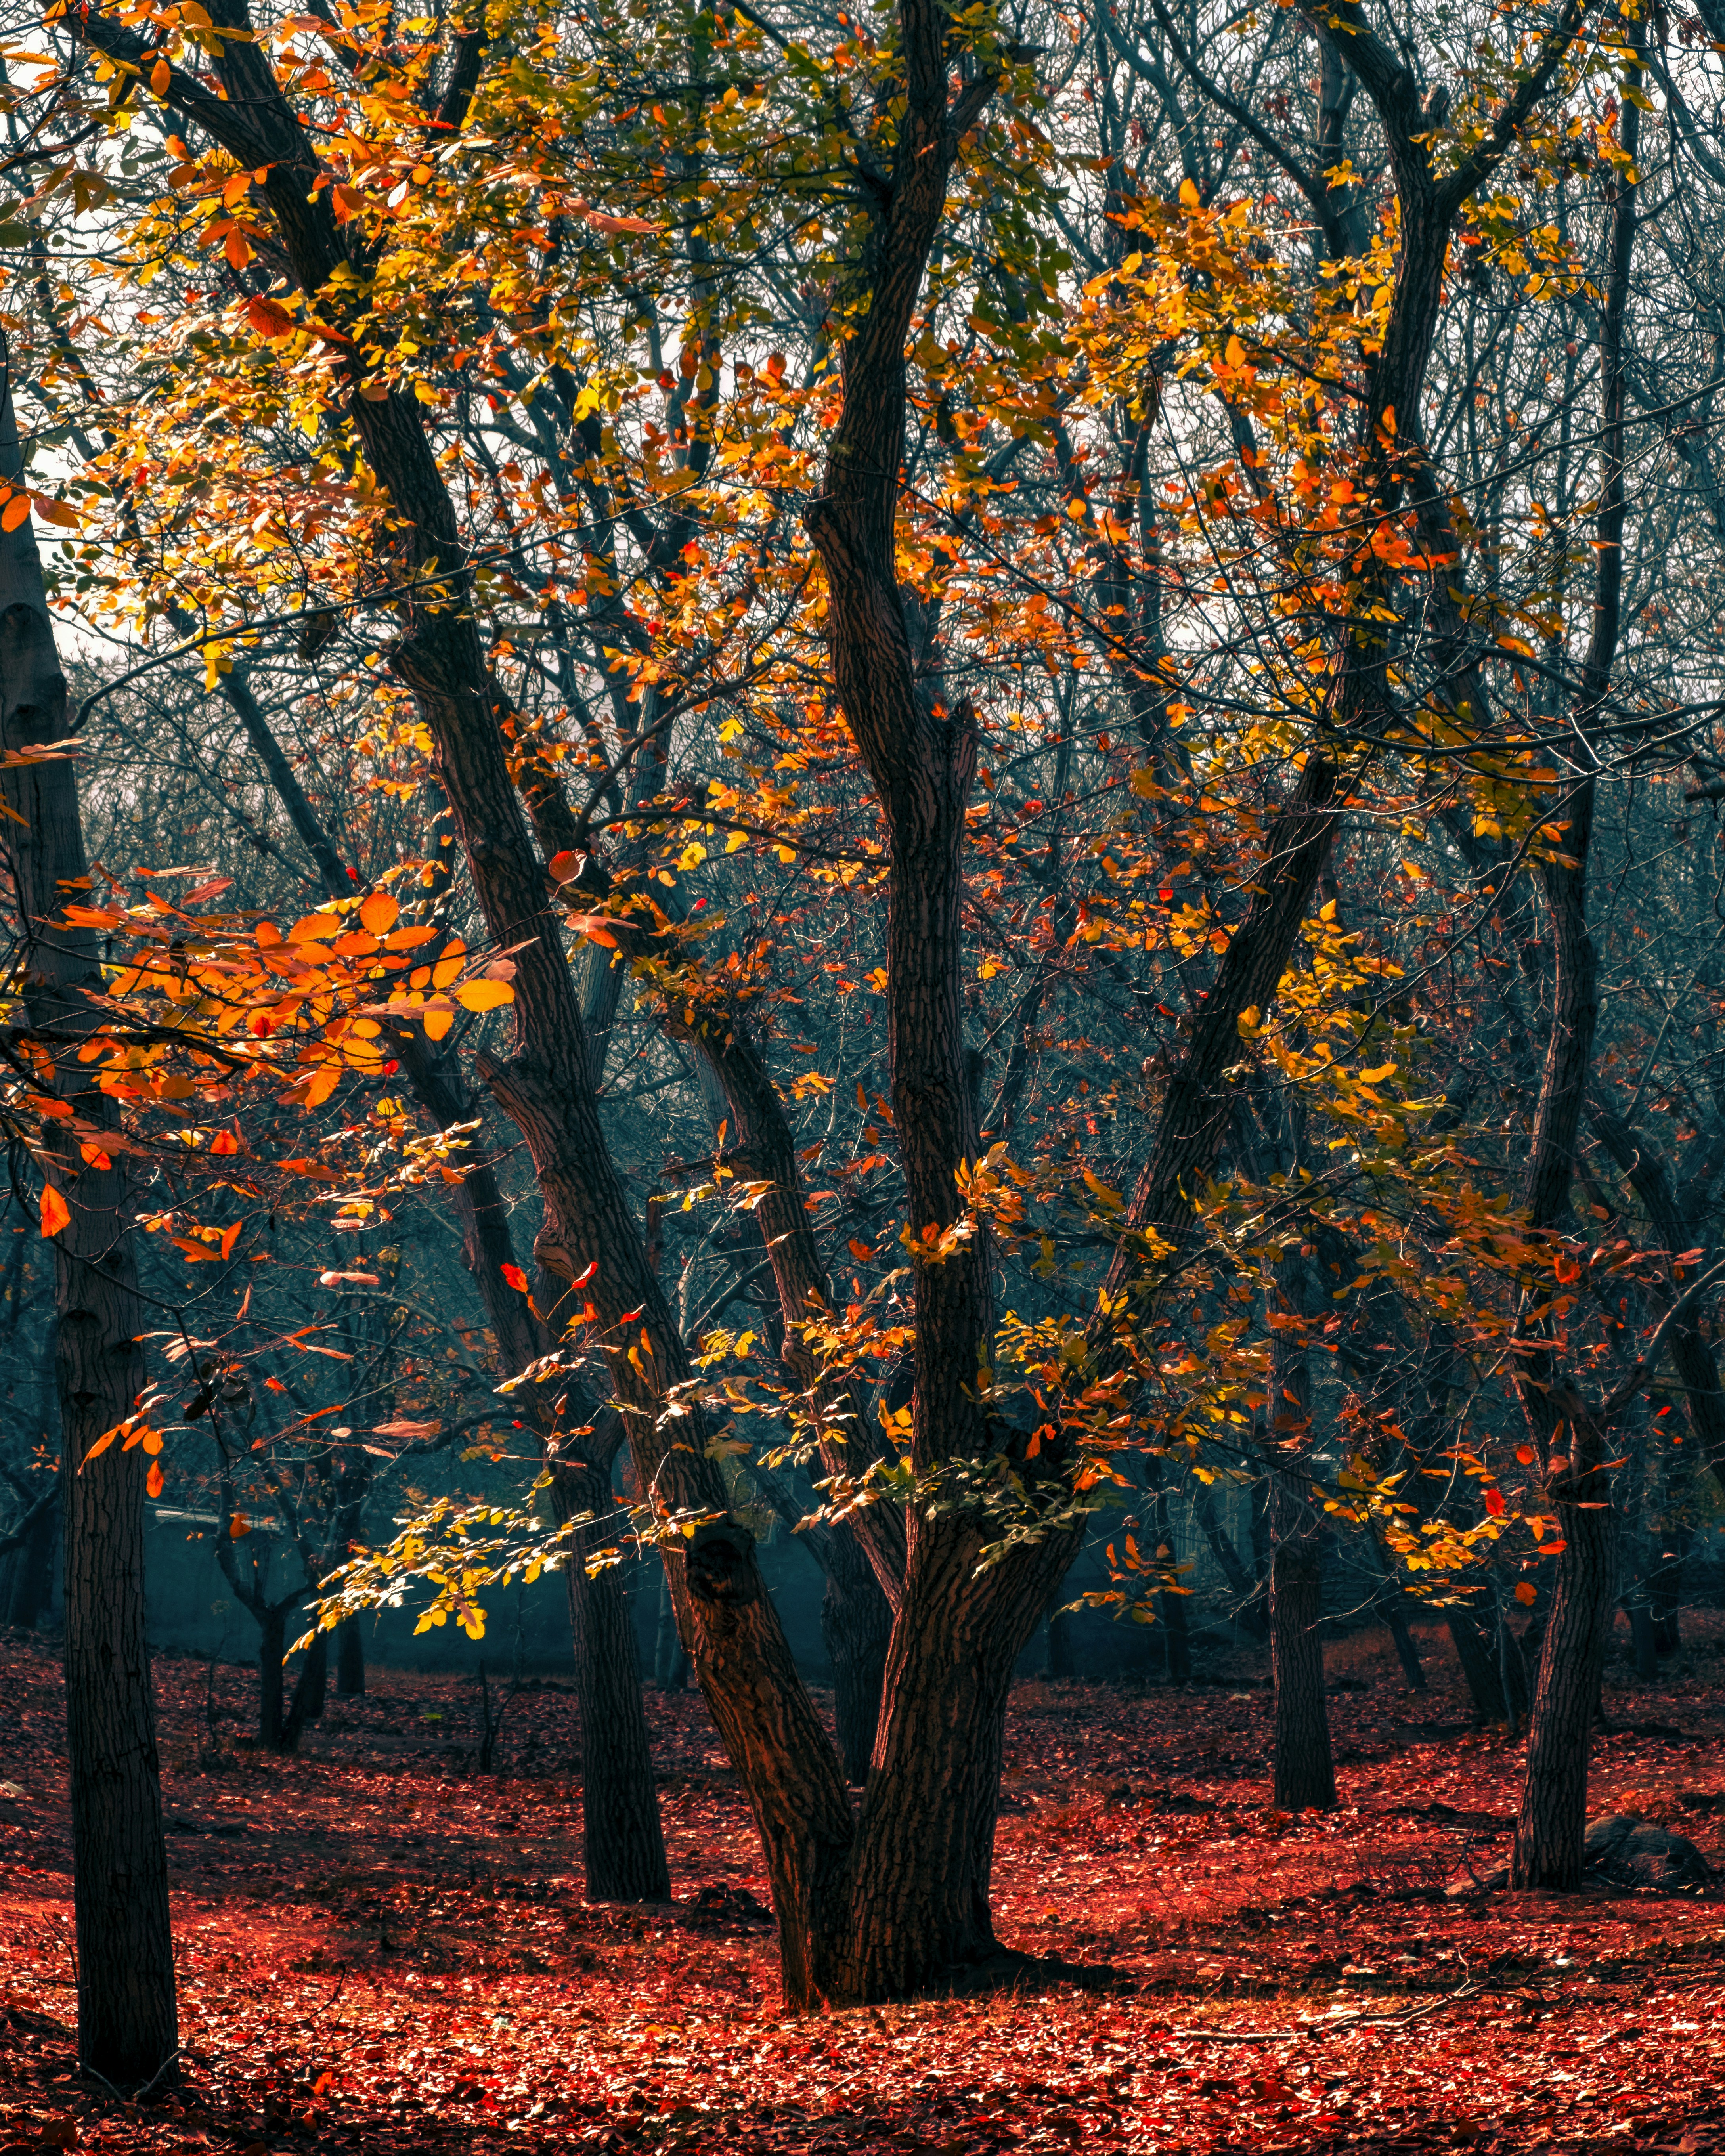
(56, 1214)
(484, 995)
(438, 1021)
(1376, 1077)
(1188, 195)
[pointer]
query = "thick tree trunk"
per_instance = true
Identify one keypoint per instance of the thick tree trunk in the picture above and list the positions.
(349, 1659)
(856, 1625)
(1305, 1775)
(622, 1840)
(127, 2018)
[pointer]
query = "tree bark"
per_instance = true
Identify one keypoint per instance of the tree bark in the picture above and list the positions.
(622, 1839)
(272, 1679)
(350, 1660)
(1552, 1823)
(310, 1690)
(127, 2016)
(1305, 1775)
(29, 1578)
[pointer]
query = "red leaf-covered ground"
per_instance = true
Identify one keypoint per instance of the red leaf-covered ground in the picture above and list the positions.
(383, 1950)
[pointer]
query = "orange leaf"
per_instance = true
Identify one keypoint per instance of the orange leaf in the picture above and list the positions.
(56, 1214)
(230, 1236)
(517, 1278)
(379, 913)
(269, 319)
(484, 995)
(860, 1251)
(1526, 1592)
(224, 1141)
(14, 513)
(93, 1156)
(156, 1481)
(238, 1526)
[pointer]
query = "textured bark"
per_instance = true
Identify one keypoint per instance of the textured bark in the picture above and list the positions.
(127, 2021)
(311, 1691)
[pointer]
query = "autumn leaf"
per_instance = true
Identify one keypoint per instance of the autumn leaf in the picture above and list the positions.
(56, 1214)
(156, 1481)
(484, 995)
(517, 1278)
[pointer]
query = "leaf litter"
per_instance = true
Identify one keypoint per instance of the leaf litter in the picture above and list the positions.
(381, 1951)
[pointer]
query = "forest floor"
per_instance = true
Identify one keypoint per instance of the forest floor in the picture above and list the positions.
(382, 1950)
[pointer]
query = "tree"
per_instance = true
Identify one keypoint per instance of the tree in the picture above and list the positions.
(127, 2016)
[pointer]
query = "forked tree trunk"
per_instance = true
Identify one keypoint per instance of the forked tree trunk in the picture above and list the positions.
(1304, 1773)
(869, 1906)
(127, 2018)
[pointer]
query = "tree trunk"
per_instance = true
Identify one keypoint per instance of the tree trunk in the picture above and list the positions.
(622, 1840)
(1305, 1776)
(1553, 1821)
(1484, 1658)
(350, 1660)
(29, 1579)
(1643, 1634)
(272, 1642)
(127, 2016)
(856, 1625)
(1061, 1668)
(1665, 1586)
(671, 1658)
(1170, 1603)
(310, 1689)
